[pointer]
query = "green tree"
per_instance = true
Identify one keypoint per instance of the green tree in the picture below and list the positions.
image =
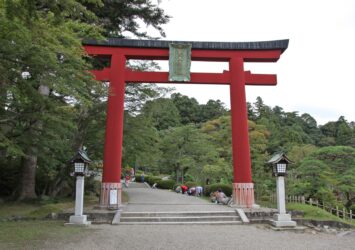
(140, 143)
(315, 180)
(258, 137)
(261, 110)
(123, 18)
(220, 132)
(344, 134)
(310, 127)
(162, 112)
(186, 149)
(189, 108)
(328, 174)
(49, 104)
(43, 51)
(211, 110)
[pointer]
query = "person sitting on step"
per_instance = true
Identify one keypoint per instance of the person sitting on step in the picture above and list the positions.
(192, 191)
(199, 191)
(222, 198)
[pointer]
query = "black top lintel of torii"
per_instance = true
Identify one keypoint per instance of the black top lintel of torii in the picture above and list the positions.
(135, 43)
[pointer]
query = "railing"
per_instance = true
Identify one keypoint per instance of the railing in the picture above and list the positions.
(341, 213)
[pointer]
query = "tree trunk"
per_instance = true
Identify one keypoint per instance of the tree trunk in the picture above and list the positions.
(29, 162)
(182, 175)
(28, 180)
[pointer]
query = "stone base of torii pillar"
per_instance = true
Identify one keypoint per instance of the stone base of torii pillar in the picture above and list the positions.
(243, 195)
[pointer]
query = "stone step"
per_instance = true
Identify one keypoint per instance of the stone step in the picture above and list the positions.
(177, 218)
(180, 219)
(183, 223)
(179, 214)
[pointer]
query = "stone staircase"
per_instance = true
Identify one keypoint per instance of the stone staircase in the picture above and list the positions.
(176, 218)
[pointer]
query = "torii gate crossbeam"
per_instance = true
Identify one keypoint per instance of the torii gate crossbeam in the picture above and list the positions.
(235, 53)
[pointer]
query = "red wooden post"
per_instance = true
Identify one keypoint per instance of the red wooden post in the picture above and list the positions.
(243, 188)
(111, 179)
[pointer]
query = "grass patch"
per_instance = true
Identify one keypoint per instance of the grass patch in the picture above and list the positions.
(10, 209)
(315, 213)
(310, 212)
(40, 209)
(32, 234)
(44, 210)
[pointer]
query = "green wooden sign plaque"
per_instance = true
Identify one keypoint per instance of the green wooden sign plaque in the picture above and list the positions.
(179, 62)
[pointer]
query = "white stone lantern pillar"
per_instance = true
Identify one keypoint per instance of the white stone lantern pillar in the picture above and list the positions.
(282, 218)
(81, 162)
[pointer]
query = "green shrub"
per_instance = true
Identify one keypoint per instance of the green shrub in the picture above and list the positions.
(147, 178)
(226, 188)
(190, 184)
(153, 179)
(138, 177)
(264, 198)
(166, 184)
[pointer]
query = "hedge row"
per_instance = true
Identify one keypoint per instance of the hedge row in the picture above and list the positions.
(148, 178)
(226, 188)
(152, 179)
(166, 184)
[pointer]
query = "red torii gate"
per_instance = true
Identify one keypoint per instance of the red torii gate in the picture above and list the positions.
(236, 53)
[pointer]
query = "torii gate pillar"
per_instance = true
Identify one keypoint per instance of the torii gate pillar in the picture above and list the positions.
(243, 188)
(120, 50)
(111, 187)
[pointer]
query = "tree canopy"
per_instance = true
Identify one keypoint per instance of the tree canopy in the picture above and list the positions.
(50, 104)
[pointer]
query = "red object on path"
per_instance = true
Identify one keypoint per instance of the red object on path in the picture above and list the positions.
(121, 50)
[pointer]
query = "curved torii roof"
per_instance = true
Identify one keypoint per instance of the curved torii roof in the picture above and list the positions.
(122, 42)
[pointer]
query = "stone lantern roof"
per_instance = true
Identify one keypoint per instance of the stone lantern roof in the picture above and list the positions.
(81, 155)
(279, 157)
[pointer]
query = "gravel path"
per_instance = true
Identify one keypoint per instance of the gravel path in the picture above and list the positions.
(203, 238)
(146, 199)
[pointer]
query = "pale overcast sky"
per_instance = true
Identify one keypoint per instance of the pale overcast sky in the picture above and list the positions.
(315, 74)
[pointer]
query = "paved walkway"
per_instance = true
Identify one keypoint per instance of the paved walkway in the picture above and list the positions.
(143, 199)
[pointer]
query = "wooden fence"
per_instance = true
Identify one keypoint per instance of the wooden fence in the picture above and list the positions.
(341, 213)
